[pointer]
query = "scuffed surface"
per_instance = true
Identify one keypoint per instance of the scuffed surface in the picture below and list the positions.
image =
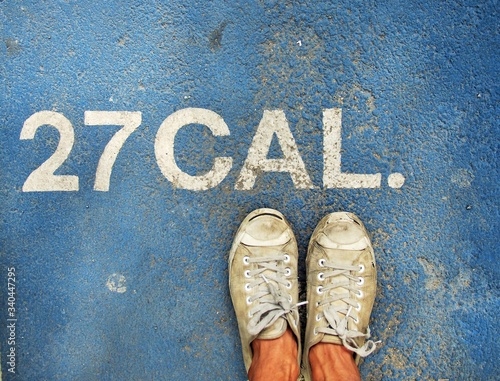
(418, 88)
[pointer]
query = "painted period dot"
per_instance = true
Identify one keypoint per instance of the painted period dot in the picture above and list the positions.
(396, 180)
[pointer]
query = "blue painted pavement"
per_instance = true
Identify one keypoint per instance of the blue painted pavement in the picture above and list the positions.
(121, 272)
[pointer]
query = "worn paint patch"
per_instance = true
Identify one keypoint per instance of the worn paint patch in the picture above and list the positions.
(462, 177)
(13, 46)
(116, 283)
(215, 38)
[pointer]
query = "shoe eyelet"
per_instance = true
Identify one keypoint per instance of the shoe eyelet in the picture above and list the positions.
(315, 332)
(359, 294)
(287, 258)
(288, 272)
(361, 281)
(250, 315)
(356, 321)
(290, 298)
(358, 307)
(318, 317)
(247, 273)
(247, 287)
(321, 263)
(246, 260)
(319, 290)
(361, 269)
(321, 276)
(318, 304)
(249, 301)
(289, 285)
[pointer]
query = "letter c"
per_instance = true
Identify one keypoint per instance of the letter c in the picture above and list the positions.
(164, 149)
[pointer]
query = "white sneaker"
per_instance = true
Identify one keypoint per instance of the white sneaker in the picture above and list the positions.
(341, 286)
(263, 279)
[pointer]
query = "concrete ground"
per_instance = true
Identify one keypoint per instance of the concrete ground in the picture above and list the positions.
(119, 245)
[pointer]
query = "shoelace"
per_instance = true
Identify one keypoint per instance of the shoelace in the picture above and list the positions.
(338, 325)
(274, 299)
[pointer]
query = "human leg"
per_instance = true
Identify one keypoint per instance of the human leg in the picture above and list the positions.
(275, 359)
(332, 362)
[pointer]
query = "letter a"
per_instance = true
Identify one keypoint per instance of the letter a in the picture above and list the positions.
(273, 122)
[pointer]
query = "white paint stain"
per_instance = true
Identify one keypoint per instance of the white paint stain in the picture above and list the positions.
(462, 177)
(116, 283)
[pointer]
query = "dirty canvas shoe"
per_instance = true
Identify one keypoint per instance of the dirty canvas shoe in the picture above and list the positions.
(341, 286)
(263, 279)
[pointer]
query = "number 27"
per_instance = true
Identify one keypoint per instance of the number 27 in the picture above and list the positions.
(43, 178)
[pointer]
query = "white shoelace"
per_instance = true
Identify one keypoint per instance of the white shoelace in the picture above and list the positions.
(338, 325)
(274, 299)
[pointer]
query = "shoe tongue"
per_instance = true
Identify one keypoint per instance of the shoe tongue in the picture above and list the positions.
(277, 329)
(331, 339)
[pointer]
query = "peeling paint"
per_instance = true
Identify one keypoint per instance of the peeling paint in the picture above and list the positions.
(116, 283)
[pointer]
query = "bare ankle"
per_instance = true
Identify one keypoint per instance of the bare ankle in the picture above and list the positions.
(275, 359)
(332, 362)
